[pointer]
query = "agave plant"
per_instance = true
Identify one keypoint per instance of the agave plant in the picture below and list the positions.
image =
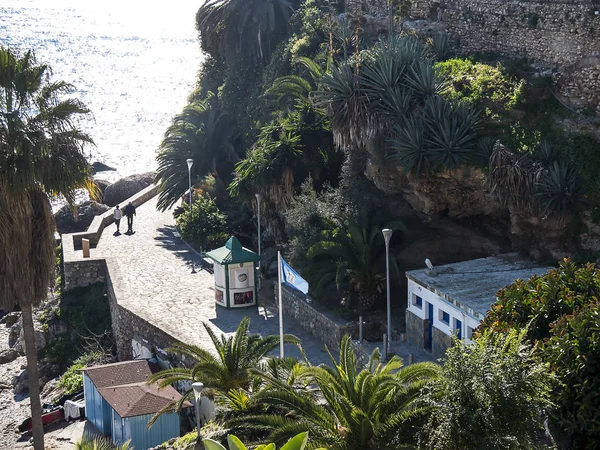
(346, 407)
(560, 188)
(440, 45)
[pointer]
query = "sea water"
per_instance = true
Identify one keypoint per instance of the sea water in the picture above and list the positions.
(132, 62)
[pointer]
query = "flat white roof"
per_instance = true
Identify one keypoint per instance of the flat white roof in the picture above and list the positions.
(472, 285)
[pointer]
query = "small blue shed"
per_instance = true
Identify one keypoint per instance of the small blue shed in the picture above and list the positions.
(120, 403)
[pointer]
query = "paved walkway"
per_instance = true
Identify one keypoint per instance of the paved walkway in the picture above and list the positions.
(157, 283)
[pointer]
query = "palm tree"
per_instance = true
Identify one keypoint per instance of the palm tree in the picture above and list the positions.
(345, 407)
(202, 132)
(296, 89)
(354, 257)
(88, 442)
(228, 370)
(243, 28)
(41, 155)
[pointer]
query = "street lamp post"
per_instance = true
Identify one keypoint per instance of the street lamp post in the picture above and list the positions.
(190, 163)
(387, 235)
(258, 199)
(198, 388)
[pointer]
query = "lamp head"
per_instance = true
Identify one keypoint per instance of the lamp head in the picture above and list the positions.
(387, 235)
(190, 163)
(198, 388)
(258, 196)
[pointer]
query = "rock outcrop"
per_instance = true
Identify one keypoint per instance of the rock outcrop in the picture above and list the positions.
(126, 187)
(68, 221)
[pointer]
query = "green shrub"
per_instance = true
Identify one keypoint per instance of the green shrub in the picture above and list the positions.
(483, 85)
(574, 355)
(560, 311)
(490, 395)
(205, 227)
(298, 442)
(72, 380)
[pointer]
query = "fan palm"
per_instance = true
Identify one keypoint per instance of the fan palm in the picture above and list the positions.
(41, 155)
(227, 369)
(353, 257)
(202, 132)
(243, 27)
(293, 88)
(345, 407)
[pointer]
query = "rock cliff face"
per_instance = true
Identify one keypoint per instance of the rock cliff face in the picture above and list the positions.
(464, 220)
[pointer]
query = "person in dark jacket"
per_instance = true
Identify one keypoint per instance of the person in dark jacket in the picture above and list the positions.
(129, 211)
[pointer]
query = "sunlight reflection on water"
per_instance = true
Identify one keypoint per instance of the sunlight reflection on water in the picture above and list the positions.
(133, 63)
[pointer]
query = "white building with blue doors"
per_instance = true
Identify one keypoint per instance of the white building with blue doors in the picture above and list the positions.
(453, 299)
(120, 403)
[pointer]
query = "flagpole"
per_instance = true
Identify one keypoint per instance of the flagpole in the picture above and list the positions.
(280, 307)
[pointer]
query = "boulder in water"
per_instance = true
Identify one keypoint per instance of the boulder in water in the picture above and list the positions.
(67, 223)
(126, 187)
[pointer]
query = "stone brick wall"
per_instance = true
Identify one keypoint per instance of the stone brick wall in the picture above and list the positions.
(415, 329)
(441, 343)
(581, 84)
(127, 326)
(84, 272)
(314, 318)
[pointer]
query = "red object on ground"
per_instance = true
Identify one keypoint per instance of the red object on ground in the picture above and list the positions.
(48, 418)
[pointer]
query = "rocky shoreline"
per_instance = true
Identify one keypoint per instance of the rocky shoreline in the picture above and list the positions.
(110, 195)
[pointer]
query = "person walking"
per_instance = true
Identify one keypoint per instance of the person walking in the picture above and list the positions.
(118, 214)
(129, 211)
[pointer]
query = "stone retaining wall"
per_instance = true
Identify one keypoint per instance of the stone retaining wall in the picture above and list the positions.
(441, 343)
(84, 273)
(128, 327)
(415, 329)
(314, 318)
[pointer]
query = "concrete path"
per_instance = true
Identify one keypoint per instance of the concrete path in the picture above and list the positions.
(156, 282)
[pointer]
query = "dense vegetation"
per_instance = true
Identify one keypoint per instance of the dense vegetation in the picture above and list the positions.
(561, 314)
(302, 102)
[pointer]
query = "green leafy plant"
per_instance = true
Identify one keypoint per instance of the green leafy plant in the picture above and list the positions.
(72, 380)
(298, 442)
(204, 226)
(560, 312)
(89, 442)
(228, 370)
(491, 394)
(560, 188)
(353, 257)
(203, 132)
(440, 45)
(352, 407)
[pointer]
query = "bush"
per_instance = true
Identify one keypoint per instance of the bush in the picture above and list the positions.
(490, 395)
(483, 85)
(205, 227)
(72, 380)
(574, 355)
(560, 311)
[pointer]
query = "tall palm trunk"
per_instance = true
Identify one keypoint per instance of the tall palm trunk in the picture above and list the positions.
(33, 377)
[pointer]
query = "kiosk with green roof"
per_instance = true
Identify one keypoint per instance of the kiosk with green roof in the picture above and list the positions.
(235, 275)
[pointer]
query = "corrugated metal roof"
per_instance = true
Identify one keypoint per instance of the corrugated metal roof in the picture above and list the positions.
(232, 253)
(138, 399)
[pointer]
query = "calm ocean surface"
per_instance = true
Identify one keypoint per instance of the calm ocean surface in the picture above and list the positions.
(133, 63)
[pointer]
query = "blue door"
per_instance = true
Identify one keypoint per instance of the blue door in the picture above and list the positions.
(459, 328)
(430, 327)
